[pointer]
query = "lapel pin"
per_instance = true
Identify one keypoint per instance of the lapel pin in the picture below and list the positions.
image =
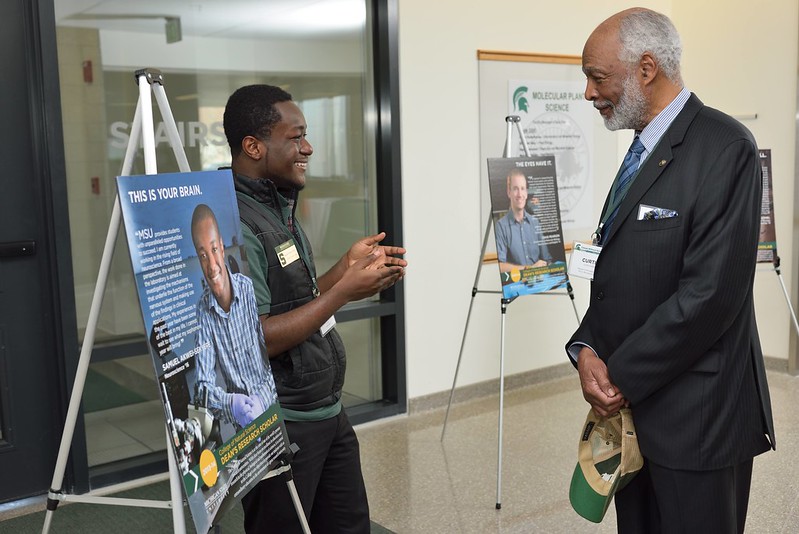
(662, 163)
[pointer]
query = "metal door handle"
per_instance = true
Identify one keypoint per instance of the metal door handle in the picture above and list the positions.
(13, 249)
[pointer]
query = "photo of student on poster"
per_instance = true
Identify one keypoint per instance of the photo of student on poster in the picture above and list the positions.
(206, 341)
(527, 225)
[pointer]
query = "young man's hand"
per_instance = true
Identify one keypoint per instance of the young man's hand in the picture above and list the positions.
(369, 275)
(369, 244)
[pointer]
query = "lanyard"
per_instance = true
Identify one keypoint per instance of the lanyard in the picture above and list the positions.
(299, 237)
(253, 206)
(616, 198)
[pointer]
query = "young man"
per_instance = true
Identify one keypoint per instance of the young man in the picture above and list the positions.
(266, 133)
(671, 327)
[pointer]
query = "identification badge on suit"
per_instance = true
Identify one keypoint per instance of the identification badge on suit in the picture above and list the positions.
(583, 260)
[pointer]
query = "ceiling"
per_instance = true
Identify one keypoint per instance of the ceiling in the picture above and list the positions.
(258, 19)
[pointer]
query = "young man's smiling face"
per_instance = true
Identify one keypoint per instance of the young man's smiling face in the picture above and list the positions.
(287, 150)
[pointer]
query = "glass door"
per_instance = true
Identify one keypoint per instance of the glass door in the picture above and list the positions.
(319, 51)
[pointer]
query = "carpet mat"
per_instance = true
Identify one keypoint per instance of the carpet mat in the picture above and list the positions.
(80, 518)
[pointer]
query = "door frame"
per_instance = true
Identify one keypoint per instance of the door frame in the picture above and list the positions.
(49, 175)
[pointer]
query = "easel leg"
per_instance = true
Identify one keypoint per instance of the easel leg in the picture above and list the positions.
(570, 291)
(295, 498)
(458, 365)
(178, 517)
(785, 292)
(171, 127)
(504, 306)
(143, 115)
(466, 327)
(83, 365)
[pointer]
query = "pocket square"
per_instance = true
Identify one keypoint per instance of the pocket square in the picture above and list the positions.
(651, 213)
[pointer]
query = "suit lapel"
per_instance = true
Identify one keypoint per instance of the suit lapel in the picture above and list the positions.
(657, 161)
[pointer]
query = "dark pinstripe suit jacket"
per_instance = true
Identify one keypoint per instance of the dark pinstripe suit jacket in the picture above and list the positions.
(671, 310)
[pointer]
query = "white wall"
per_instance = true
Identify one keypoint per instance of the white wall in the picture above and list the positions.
(744, 62)
(748, 65)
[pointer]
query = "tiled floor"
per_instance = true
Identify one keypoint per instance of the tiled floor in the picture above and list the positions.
(125, 432)
(131, 430)
(419, 484)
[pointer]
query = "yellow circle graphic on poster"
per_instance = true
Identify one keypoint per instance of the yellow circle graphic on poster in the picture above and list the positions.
(208, 468)
(515, 275)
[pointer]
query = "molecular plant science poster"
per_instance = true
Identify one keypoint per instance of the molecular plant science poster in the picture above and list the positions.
(205, 339)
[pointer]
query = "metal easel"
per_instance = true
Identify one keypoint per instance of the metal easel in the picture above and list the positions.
(142, 128)
(504, 302)
(767, 210)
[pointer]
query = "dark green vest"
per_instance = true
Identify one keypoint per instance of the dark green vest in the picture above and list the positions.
(311, 374)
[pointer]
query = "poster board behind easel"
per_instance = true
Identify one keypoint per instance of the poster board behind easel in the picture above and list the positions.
(597, 158)
(496, 70)
(767, 240)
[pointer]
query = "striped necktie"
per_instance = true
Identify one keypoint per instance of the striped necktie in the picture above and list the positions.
(628, 169)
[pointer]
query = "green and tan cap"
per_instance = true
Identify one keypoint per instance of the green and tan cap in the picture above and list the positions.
(607, 459)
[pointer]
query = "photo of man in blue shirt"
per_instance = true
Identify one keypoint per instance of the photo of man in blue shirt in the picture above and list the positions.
(520, 242)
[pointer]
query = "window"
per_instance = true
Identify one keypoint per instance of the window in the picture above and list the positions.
(326, 63)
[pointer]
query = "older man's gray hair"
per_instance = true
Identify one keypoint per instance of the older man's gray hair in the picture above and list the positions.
(648, 31)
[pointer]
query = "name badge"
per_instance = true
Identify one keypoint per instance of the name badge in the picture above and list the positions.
(287, 253)
(583, 260)
(328, 326)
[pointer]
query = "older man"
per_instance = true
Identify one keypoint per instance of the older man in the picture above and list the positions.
(670, 330)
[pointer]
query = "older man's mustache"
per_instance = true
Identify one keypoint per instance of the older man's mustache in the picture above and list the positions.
(604, 104)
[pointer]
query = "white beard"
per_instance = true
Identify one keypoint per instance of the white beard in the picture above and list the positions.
(630, 112)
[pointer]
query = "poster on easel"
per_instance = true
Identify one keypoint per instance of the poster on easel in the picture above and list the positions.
(205, 338)
(527, 226)
(767, 242)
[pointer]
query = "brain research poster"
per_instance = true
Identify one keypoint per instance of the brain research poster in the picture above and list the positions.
(220, 404)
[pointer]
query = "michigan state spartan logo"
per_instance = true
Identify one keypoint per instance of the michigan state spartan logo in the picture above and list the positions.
(519, 99)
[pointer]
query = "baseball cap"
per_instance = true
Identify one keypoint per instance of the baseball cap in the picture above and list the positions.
(607, 459)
